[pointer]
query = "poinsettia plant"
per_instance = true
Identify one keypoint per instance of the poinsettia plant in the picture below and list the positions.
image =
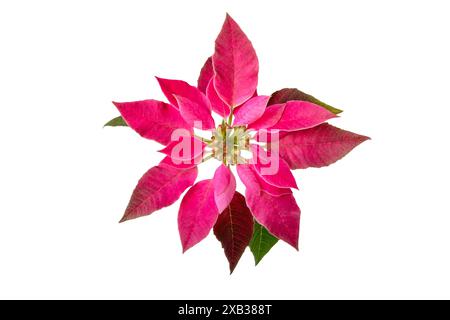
(264, 137)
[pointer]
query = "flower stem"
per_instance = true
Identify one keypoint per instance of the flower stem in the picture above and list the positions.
(230, 118)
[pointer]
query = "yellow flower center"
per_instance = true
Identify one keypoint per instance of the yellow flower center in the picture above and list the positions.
(227, 144)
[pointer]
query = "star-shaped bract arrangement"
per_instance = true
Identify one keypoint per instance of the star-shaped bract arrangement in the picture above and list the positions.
(289, 121)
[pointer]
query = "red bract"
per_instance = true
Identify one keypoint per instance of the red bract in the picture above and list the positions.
(265, 137)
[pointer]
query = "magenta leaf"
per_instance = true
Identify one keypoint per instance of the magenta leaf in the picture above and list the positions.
(171, 87)
(196, 110)
(186, 148)
(288, 94)
(263, 163)
(217, 104)
(279, 214)
(185, 164)
(317, 147)
(299, 115)
(235, 65)
(224, 187)
(263, 185)
(152, 119)
(251, 110)
(159, 187)
(271, 189)
(234, 228)
(198, 214)
(270, 117)
(206, 74)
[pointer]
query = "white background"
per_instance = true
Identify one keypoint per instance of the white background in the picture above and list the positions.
(374, 225)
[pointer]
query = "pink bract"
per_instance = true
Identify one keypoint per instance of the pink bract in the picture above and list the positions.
(235, 65)
(224, 187)
(218, 106)
(184, 148)
(152, 119)
(263, 136)
(198, 213)
(250, 111)
(272, 114)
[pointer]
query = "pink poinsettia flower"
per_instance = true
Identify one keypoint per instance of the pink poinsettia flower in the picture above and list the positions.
(264, 137)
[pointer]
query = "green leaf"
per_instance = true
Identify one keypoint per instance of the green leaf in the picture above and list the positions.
(116, 122)
(287, 94)
(262, 241)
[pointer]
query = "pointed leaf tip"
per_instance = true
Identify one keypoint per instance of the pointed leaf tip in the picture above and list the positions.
(234, 229)
(235, 64)
(261, 243)
(170, 87)
(299, 115)
(206, 74)
(317, 147)
(159, 187)
(289, 94)
(116, 122)
(152, 119)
